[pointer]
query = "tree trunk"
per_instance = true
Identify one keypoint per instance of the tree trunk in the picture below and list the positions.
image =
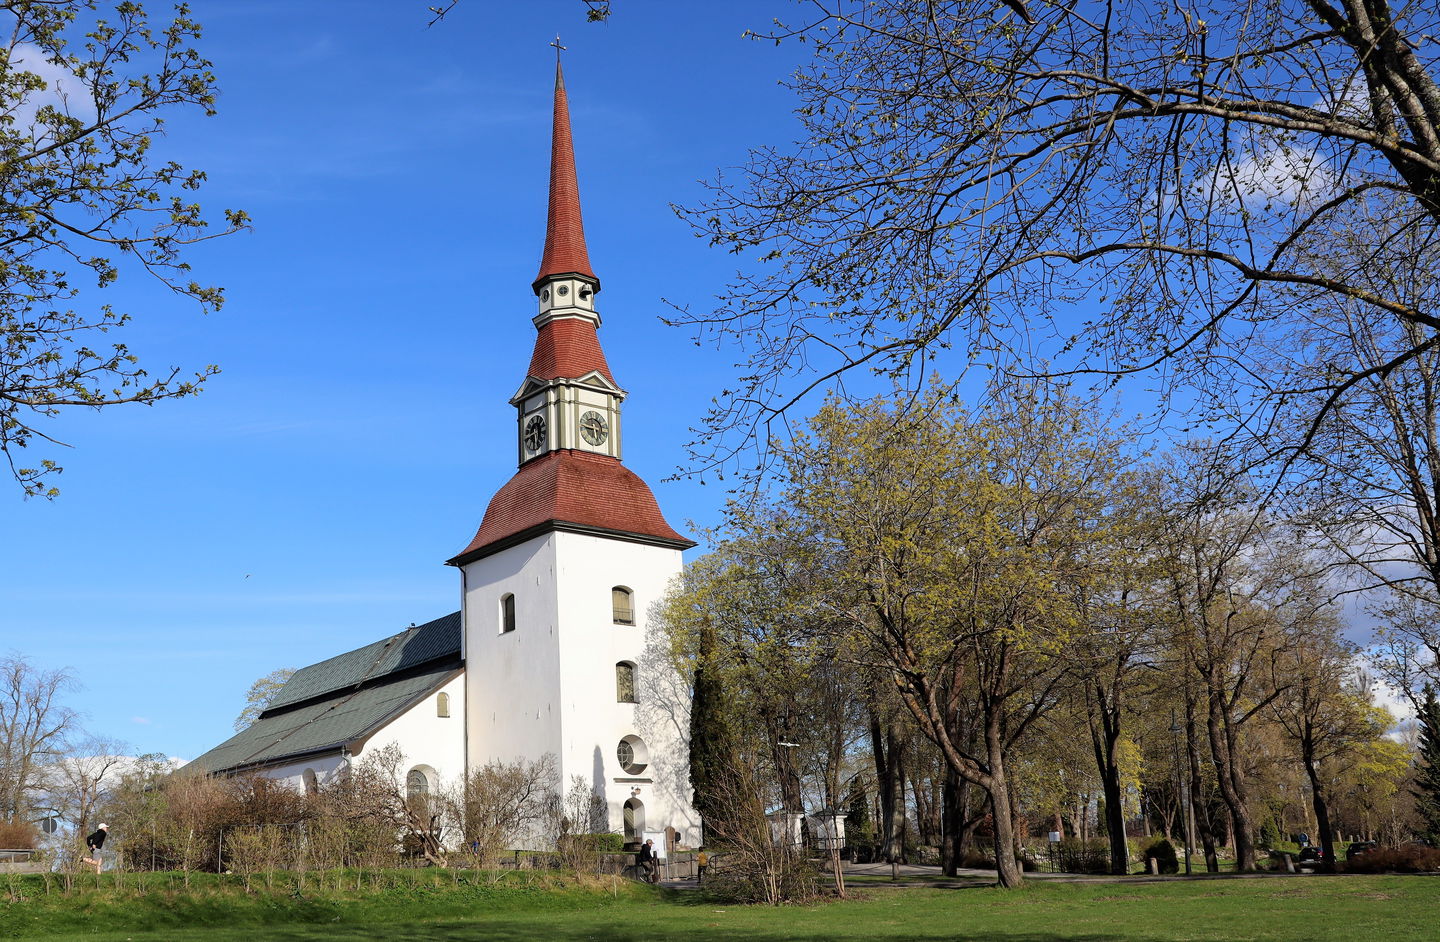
(952, 822)
(1231, 782)
(1105, 738)
(1202, 828)
(888, 752)
(1322, 813)
(1007, 868)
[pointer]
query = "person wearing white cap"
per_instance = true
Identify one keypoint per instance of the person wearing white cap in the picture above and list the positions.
(94, 842)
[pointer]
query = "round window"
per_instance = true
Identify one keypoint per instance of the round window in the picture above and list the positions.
(634, 757)
(562, 290)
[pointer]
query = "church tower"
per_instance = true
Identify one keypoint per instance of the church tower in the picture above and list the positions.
(570, 554)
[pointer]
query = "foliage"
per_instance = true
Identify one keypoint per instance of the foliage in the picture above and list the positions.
(1073, 855)
(1163, 852)
(1427, 774)
(83, 98)
(759, 863)
(1409, 858)
(260, 694)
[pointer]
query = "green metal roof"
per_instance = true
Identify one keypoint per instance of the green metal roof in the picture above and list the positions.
(337, 701)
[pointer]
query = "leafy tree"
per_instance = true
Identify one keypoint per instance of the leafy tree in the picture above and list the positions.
(945, 548)
(1427, 779)
(260, 695)
(82, 98)
(1130, 188)
(1324, 718)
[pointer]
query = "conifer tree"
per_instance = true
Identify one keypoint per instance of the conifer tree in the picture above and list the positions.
(711, 750)
(1427, 776)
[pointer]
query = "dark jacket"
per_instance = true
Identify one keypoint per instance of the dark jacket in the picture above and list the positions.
(97, 840)
(645, 855)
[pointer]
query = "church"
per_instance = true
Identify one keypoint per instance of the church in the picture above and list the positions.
(548, 652)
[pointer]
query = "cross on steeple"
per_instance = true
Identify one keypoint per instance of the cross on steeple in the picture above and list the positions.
(558, 48)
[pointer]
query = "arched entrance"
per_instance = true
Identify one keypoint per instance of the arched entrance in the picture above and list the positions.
(634, 821)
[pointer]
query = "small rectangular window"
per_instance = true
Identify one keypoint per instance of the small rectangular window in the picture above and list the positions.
(507, 613)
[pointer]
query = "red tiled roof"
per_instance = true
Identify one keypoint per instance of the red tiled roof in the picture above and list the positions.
(574, 487)
(564, 232)
(568, 348)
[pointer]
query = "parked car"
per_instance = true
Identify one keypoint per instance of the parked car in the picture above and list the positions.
(1310, 855)
(1359, 847)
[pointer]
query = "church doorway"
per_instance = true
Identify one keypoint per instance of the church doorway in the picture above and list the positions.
(634, 821)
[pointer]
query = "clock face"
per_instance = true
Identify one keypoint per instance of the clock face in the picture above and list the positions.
(593, 427)
(534, 434)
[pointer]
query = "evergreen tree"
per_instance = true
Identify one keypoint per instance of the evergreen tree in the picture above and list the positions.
(711, 749)
(1427, 776)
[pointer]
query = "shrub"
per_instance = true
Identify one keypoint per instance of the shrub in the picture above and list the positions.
(1073, 855)
(603, 843)
(17, 835)
(1164, 853)
(1409, 858)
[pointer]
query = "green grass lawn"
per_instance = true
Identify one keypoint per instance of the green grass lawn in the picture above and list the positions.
(438, 907)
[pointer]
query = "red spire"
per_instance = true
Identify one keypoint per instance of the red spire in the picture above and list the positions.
(564, 232)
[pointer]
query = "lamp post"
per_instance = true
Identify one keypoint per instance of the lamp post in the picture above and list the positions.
(1183, 787)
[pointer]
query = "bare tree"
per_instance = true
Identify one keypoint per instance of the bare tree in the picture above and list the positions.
(80, 781)
(34, 724)
(1234, 577)
(384, 788)
(506, 804)
(1158, 174)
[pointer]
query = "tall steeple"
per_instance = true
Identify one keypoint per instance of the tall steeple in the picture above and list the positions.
(568, 430)
(565, 252)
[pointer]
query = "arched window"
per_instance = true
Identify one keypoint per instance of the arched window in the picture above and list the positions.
(622, 605)
(625, 683)
(634, 812)
(312, 785)
(419, 782)
(634, 757)
(442, 704)
(507, 613)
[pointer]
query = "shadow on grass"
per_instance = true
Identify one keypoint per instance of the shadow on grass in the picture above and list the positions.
(526, 930)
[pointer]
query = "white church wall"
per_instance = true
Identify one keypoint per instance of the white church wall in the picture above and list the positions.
(326, 768)
(594, 721)
(428, 740)
(510, 676)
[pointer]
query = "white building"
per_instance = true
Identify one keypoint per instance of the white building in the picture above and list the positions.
(547, 655)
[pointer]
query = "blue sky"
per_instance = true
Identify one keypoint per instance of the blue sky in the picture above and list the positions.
(378, 322)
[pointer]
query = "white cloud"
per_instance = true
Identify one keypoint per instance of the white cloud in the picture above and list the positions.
(1281, 174)
(63, 90)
